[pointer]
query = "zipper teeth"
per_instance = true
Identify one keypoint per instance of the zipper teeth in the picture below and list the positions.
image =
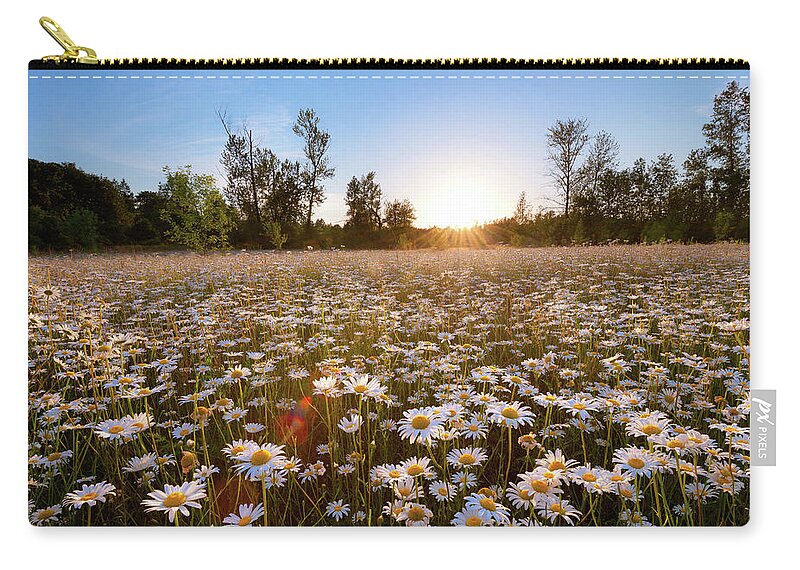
(378, 63)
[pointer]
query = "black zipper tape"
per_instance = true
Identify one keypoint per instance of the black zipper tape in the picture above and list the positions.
(381, 63)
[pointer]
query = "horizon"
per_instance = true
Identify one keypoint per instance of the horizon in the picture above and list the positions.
(461, 145)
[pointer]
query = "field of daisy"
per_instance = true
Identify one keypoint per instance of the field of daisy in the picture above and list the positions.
(573, 386)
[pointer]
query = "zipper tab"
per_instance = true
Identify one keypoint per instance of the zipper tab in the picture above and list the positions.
(72, 52)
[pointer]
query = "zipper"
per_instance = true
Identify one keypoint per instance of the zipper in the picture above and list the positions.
(79, 57)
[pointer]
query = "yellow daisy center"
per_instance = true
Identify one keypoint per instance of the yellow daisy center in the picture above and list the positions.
(510, 413)
(54, 456)
(116, 429)
(175, 499)
(635, 462)
(488, 504)
(420, 422)
(556, 465)
(466, 459)
(589, 477)
(260, 457)
(579, 406)
(524, 494)
(237, 450)
(416, 514)
(540, 486)
(45, 514)
(89, 497)
(557, 508)
(416, 469)
(359, 388)
(394, 473)
(236, 373)
(651, 429)
(244, 521)
(473, 521)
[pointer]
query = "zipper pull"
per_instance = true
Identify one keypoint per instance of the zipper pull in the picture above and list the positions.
(72, 52)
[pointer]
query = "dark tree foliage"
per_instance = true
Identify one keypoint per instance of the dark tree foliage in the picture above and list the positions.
(61, 195)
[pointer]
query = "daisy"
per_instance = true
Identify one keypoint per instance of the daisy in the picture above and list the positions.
(415, 514)
(510, 414)
(650, 426)
(234, 415)
(585, 475)
(204, 472)
(337, 509)
(470, 517)
(175, 498)
(89, 495)
(635, 461)
(114, 429)
(474, 429)
(352, 424)
(556, 461)
(466, 457)
(362, 385)
(554, 508)
(55, 458)
(46, 515)
(327, 386)
(237, 373)
(414, 467)
(254, 427)
(257, 461)
(579, 407)
(136, 464)
(408, 489)
(442, 491)
(464, 480)
(420, 425)
(183, 430)
(540, 482)
(389, 473)
(488, 508)
(248, 514)
(520, 497)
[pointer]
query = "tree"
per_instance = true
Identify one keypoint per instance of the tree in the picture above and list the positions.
(566, 140)
(240, 159)
(80, 229)
(601, 158)
(399, 214)
(196, 213)
(283, 195)
(316, 143)
(363, 199)
(274, 235)
(522, 213)
(728, 139)
(663, 177)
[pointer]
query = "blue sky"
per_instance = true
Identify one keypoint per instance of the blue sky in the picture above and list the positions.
(460, 144)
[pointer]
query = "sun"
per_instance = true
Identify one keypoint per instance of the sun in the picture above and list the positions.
(460, 204)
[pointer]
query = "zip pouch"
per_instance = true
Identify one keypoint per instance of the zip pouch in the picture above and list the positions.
(388, 293)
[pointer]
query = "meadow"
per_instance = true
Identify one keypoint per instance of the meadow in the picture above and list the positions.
(490, 387)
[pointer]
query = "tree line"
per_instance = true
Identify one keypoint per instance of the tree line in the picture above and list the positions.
(269, 201)
(707, 198)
